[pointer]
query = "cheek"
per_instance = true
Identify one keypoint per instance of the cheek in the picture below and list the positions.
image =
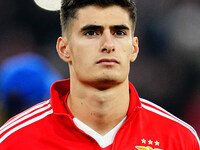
(86, 50)
(76, 51)
(81, 58)
(126, 50)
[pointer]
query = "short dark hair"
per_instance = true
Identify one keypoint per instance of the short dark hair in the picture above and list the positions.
(69, 9)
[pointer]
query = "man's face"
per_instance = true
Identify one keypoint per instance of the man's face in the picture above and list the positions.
(100, 46)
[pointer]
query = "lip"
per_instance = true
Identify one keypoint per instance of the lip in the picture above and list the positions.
(107, 61)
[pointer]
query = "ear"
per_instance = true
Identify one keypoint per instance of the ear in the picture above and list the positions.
(63, 50)
(135, 49)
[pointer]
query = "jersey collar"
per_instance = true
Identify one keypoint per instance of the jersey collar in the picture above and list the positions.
(61, 89)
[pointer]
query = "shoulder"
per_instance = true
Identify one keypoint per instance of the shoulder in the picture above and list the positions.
(177, 124)
(24, 120)
(165, 114)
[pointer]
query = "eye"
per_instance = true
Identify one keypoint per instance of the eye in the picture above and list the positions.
(91, 33)
(120, 33)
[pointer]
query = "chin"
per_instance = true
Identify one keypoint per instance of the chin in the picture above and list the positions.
(105, 83)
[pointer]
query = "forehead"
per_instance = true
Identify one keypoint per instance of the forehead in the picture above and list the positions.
(108, 16)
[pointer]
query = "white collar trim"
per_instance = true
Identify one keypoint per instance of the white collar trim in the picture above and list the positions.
(103, 141)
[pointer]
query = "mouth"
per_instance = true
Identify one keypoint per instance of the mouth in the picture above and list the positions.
(107, 61)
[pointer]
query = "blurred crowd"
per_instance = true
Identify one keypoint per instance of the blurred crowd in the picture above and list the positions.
(166, 71)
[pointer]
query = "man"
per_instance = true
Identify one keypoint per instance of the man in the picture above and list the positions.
(97, 109)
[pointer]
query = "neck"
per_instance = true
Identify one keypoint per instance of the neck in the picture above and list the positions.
(102, 110)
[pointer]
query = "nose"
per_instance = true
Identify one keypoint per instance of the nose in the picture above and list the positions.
(107, 43)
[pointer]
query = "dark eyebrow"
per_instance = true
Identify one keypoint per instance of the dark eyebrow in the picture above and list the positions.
(120, 27)
(91, 27)
(98, 27)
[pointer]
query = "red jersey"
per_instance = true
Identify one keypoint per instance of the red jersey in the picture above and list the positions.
(50, 126)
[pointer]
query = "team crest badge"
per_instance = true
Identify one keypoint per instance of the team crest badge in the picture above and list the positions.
(146, 148)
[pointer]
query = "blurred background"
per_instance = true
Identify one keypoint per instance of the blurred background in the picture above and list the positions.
(166, 71)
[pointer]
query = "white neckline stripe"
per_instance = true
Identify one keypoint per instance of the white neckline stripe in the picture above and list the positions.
(174, 119)
(24, 113)
(26, 124)
(25, 117)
